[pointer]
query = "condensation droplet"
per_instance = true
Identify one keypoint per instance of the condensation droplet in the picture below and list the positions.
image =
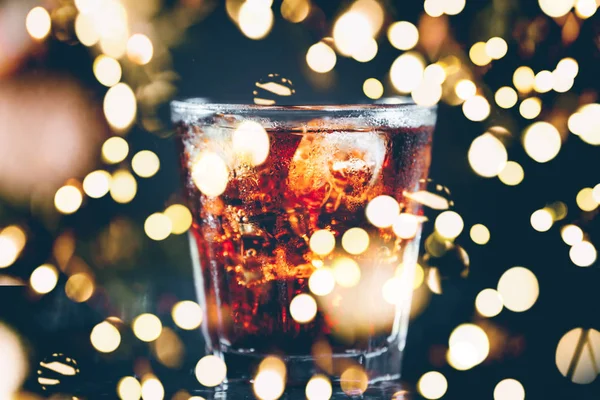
(55, 371)
(432, 195)
(272, 90)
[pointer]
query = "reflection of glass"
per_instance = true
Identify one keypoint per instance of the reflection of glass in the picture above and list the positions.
(304, 241)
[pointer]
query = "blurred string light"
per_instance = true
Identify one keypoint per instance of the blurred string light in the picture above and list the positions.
(107, 70)
(382, 210)
(158, 226)
(13, 363)
(427, 93)
(541, 220)
(366, 52)
(403, 35)
(68, 199)
(512, 174)
(321, 282)
(479, 55)
(321, 58)
(181, 218)
(480, 234)
(465, 89)
(85, 30)
(583, 254)
(506, 97)
(541, 141)
(110, 20)
(105, 337)
(434, 8)
(352, 32)
(373, 88)
(530, 108)
(303, 308)
(577, 355)
(152, 388)
(140, 49)
(210, 371)
(129, 388)
(145, 164)
(406, 72)
(210, 174)
(556, 8)
(568, 67)
(543, 81)
(354, 381)
(487, 155)
(585, 199)
(519, 289)
(584, 123)
(38, 23)
(435, 73)
(355, 241)
(449, 224)
(571, 234)
(123, 186)
(432, 385)
(187, 315)
(44, 278)
(255, 19)
(322, 242)
(12, 242)
(476, 108)
(496, 48)
(115, 150)
(120, 107)
(596, 193)
(585, 8)
(468, 346)
(489, 303)
(509, 389)
(318, 388)
(406, 226)
(295, 11)
(79, 287)
(147, 327)
(269, 382)
(96, 184)
(524, 79)
(346, 272)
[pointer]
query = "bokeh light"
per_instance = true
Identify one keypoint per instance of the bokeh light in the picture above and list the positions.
(268, 385)
(44, 278)
(434, 73)
(585, 199)
(373, 88)
(541, 220)
(530, 108)
(406, 72)
(585, 8)
(255, 19)
(295, 11)
(321, 58)
(68, 199)
(519, 289)
(351, 32)
(152, 389)
(355, 241)
(13, 364)
(509, 389)
(346, 272)
(406, 226)
(105, 337)
(543, 81)
(147, 327)
(480, 234)
(568, 66)
(453, 7)
(465, 89)
(583, 254)
(120, 106)
(468, 346)
(251, 143)
(476, 108)
(129, 388)
(38, 23)
(107, 70)
(555, 9)
(434, 8)
(210, 371)
(145, 163)
(524, 79)
(187, 315)
(181, 218)
(79, 287)
(96, 184)
(210, 174)
(115, 150)
(123, 186)
(571, 234)
(506, 97)
(318, 388)
(322, 242)
(449, 224)
(321, 282)
(85, 30)
(489, 303)
(354, 381)
(392, 290)
(140, 49)
(382, 210)
(541, 141)
(512, 174)
(158, 226)
(496, 48)
(403, 35)
(303, 308)
(479, 54)
(12, 242)
(427, 93)
(366, 52)
(576, 355)
(487, 155)
(432, 385)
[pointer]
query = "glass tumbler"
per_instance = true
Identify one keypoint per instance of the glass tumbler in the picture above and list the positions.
(305, 234)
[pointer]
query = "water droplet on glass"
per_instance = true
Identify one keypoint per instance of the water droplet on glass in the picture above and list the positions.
(272, 90)
(56, 372)
(432, 195)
